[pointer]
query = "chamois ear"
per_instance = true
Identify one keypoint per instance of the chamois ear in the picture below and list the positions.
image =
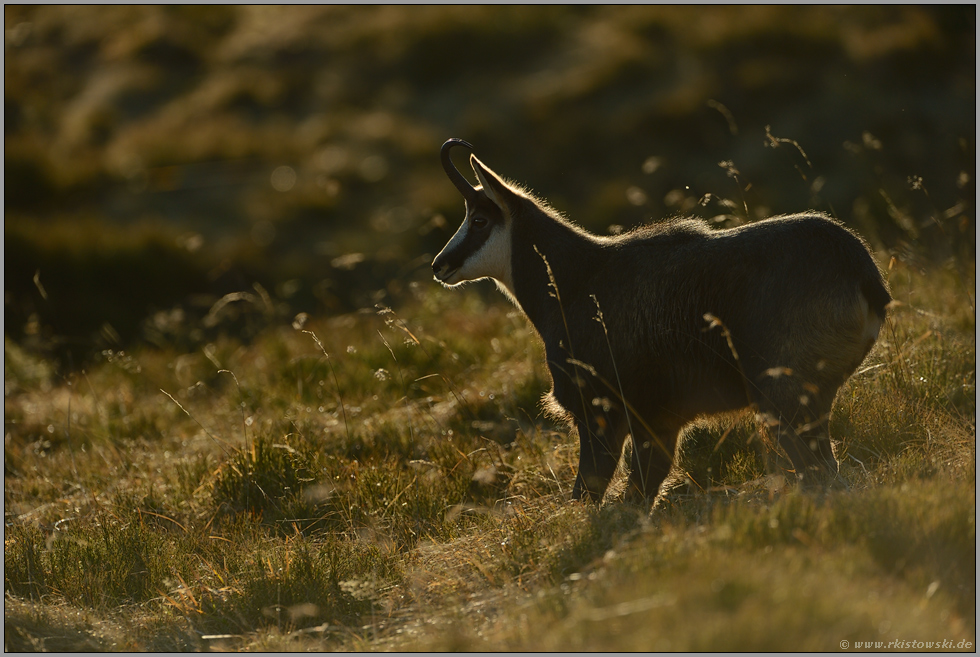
(495, 188)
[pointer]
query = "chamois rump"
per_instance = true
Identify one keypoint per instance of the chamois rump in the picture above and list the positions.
(774, 314)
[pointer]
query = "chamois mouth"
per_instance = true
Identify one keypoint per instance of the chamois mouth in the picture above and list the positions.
(445, 275)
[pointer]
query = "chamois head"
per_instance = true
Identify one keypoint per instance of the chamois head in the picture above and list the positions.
(481, 248)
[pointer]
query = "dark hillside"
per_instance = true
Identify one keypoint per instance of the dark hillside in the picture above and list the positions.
(263, 144)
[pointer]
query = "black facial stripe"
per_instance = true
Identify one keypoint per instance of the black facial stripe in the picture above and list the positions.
(473, 242)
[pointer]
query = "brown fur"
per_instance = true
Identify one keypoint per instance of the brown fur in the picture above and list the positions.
(773, 315)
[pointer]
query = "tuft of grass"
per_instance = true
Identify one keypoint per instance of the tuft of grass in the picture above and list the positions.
(111, 561)
(298, 584)
(265, 479)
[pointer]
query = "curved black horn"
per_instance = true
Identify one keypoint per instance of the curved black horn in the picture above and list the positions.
(464, 187)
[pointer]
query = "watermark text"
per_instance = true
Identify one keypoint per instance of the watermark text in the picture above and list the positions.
(907, 645)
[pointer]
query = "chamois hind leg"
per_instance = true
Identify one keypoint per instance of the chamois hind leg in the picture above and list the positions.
(601, 444)
(800, 419)
(653, 456)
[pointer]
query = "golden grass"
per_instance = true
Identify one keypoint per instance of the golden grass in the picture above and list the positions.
(251, 516)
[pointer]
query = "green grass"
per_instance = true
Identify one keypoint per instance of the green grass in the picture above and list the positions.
(405, 492)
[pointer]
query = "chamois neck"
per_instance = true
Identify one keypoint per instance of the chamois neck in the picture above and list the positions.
(572, 255)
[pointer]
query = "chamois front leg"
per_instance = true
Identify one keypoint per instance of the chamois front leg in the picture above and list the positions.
(653, 456)
(601, 446)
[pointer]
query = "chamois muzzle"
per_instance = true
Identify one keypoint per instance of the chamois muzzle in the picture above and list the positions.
(465, 188)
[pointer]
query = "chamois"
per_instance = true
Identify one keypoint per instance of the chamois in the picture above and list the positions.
(647, 330)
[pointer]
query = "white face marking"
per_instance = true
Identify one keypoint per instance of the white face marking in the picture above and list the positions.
(491, 260)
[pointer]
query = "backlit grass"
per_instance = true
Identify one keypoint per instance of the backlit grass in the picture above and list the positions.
(392, 484)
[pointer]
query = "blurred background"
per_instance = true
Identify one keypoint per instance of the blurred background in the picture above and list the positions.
(175, 172)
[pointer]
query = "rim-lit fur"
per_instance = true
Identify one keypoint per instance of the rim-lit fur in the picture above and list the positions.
(478, 250)
(775, 315)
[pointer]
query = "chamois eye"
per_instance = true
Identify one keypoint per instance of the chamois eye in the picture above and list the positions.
(479, 222)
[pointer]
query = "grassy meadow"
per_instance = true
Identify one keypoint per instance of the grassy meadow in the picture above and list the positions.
(239, 414)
